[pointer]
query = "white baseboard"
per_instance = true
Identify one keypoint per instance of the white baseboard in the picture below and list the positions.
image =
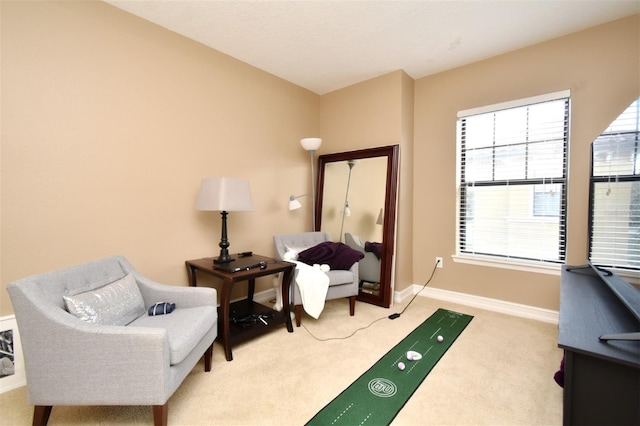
(495, 305)
(265, 297)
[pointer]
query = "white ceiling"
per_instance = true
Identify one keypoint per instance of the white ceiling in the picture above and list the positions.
(324, 45)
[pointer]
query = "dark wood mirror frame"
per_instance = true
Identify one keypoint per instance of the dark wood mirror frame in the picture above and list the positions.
(391, 152)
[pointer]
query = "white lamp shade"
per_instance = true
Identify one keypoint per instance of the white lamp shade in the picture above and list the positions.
(311, 144)
(225, 194)
(294, 204)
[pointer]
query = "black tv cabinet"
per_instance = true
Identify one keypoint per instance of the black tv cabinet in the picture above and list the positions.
(602, 378)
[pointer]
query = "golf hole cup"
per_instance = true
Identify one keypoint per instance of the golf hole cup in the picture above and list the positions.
(413, 356)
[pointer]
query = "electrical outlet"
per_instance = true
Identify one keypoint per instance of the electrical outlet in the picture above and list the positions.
(439, 262)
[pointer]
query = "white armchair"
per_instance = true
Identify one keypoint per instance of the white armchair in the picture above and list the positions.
(342, 283)
(369, 266)
(70, 361)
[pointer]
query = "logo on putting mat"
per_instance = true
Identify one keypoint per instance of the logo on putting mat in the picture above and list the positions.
(382, 387)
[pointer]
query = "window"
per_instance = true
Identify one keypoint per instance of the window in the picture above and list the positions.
(614, 225)
(512, 169)
(545, 202)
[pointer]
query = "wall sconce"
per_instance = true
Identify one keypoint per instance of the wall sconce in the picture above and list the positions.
(294, 204)
(311, 145)
(224, 195)
(347, 210)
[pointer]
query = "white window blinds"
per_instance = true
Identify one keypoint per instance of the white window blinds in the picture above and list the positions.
(512, 166)
(615, 193)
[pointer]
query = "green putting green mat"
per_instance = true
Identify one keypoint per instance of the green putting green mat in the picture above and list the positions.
(377, 396)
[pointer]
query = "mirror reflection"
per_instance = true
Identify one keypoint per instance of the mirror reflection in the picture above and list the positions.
(354, 192)
(356, 205)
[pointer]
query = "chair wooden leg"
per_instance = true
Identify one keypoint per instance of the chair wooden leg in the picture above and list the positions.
(41, 415)
(298, 309)
(161, 414)
(352, 305)
(207, 358)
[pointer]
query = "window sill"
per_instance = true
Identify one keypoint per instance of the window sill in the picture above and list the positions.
(518, 265)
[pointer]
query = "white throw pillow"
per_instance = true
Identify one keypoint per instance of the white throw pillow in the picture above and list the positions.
(117, 303)
(291, 255)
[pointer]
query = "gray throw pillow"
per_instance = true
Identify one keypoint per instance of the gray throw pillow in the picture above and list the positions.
(117, 303)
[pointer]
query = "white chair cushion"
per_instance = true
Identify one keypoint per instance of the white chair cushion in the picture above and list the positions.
(185, 328)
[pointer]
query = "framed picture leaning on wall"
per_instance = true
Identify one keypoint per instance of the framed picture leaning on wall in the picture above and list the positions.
(11, 361)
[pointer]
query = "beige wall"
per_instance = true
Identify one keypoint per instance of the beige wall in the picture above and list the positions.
(601, 67)
(108, 125)
(110, 122)
(378, 112)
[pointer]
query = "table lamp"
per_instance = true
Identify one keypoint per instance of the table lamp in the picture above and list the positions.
(225, 195)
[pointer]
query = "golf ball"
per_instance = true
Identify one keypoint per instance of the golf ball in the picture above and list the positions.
(401, 365)
(440, 338)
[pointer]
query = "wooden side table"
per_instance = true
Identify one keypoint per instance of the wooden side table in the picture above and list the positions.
(230, 333)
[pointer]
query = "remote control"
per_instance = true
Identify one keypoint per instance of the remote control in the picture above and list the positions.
(261, 265)
(245, 254)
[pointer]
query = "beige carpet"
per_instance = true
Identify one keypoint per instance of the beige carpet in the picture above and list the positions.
(498, 372)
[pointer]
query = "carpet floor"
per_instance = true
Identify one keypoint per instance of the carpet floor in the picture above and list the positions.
(498, 372)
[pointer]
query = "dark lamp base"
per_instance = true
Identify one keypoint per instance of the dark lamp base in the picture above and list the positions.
(220, 260)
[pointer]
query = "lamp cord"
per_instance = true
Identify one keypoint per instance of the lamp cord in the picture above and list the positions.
(415, 295)
(391, 317)
(344, 337)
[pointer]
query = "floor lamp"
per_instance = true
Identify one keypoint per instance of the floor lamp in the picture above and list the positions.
(347, 210)
(311, 145)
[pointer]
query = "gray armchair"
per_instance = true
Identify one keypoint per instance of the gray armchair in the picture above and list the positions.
(369, 266)
(70, 361)
(342, 283)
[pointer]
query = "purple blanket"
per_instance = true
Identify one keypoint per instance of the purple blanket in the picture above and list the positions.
(375, 248)
(336, 255)
(559, 376)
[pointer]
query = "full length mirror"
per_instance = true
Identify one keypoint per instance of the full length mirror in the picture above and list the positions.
(356, 204)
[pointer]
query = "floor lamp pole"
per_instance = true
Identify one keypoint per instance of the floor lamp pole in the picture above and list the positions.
(313, 193)
(346, 197)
